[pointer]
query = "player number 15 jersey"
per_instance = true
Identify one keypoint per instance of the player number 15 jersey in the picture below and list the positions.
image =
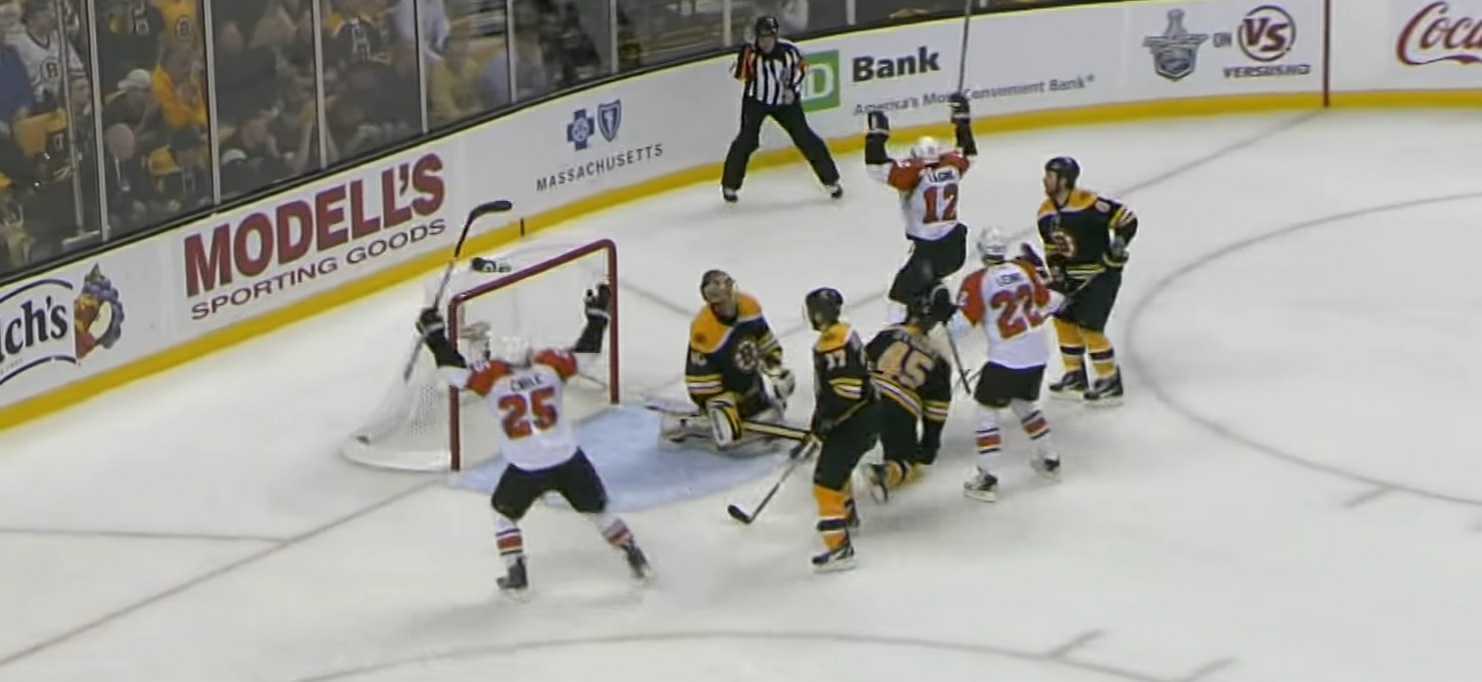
(1012, 304)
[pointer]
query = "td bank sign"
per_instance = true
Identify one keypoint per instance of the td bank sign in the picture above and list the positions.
(824, 80)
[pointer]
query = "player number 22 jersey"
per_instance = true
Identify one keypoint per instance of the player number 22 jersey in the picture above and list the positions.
(1012, 304)
(533, 432)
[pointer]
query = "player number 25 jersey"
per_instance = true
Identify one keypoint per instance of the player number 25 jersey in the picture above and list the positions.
(1012, 304)
(533, 432)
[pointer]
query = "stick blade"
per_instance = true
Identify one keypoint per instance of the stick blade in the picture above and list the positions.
(739, 515)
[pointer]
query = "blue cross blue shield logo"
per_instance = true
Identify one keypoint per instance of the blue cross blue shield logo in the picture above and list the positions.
(579, 130)
(610, 118)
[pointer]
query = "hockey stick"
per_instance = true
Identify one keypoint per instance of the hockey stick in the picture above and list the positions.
(957, 360)
(795, 458)
(740, 515)
(497, 206)
(967, 20)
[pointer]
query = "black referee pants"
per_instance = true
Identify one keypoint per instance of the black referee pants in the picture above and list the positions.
(790, 117)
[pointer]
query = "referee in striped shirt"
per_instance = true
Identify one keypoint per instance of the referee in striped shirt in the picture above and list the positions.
(772, 70)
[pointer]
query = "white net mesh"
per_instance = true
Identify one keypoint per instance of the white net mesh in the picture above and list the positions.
(534, 292)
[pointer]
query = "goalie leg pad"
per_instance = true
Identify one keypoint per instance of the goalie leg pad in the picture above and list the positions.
(725, 420)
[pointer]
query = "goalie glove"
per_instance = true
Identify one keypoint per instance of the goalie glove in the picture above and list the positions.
(782, 383)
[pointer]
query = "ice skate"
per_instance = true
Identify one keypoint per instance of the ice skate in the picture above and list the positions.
(983, 487)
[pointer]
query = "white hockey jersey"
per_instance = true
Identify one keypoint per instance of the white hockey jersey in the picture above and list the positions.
(1012, 304)
(534, 431)
(43, 59)
(928, 192)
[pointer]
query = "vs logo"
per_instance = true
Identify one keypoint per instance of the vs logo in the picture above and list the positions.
(1267, 33)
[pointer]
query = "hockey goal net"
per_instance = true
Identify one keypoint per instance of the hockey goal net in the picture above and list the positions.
(534, 292)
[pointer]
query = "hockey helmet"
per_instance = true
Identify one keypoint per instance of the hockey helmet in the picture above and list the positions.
(992, 246)
(1064, 167)
(822, 307)
(717, 287)
(927, 149)
(766, 25)
(511, 350)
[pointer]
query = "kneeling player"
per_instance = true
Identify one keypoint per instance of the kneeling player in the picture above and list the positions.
(914, 383)
(843, 424)
(1011, 303)
(731, 349)
(524, 391)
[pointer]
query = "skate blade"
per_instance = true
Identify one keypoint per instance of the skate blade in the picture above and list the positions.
(1051, 474)
(518, 595)
(981, 495)
(836, 566)
(1068, 396)
(1104, 402)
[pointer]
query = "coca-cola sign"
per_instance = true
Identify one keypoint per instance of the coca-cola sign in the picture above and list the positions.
(1435, 34)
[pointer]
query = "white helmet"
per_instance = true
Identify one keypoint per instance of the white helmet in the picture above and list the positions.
(992, 247)
(511, 350)
(927, 149)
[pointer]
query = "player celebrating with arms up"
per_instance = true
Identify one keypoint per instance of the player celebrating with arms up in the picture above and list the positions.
(524, 391)
(1011, 303)
(1086, 237)
(928, 183)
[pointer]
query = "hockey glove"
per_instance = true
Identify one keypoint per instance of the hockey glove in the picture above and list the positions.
(430, 322)
(598, 300)
(879, 124)
(1116, 253)
(961, 112)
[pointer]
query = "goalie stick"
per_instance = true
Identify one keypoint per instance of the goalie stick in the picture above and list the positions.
(760, 428)
(497, 206)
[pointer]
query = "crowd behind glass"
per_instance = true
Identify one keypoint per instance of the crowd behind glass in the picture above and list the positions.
(121, 115)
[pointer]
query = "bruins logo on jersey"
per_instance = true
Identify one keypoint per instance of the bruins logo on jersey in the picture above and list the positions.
(1064, 244)
(746, 357)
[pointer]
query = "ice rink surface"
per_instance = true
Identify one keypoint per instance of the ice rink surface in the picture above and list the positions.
(1290, 492)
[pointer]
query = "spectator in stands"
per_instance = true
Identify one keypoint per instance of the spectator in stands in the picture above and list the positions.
(42, 48)
(246, 78)
(180, 91)
(16, 97)
(132, 104)
(180, 174)
(436, 29)
(250, 158)
(127, 180)
(130, 34)
(182, 25)
(531, 77)
(453, 83)
(15, 242)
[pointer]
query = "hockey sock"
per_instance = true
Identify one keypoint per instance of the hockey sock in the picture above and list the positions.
(612, 528)
(833, 516)
(989, 439)
(1072, 345)
(509, 540)
(1102, 355)
(1035, 425)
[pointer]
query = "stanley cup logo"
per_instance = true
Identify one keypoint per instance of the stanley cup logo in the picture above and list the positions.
(1176, 52)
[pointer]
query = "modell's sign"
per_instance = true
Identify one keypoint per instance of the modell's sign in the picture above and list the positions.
(1441, 33)
(275, 249)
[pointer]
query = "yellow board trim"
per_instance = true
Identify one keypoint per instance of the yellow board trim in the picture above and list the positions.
(83, 389)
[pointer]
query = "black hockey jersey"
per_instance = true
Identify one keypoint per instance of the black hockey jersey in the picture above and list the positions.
(727, 355)
(910, 373)
(841, 376)
(1078, 235)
